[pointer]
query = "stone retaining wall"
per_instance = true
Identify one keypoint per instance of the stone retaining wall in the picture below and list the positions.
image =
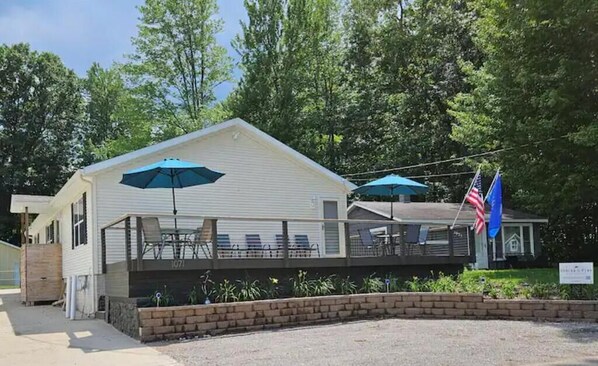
(198, 320)
(123, 314)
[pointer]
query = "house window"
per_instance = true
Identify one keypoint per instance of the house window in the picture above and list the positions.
(516, 238)
(50, 233)
(79, 221)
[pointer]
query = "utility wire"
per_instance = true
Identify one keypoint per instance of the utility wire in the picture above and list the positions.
(451, 159)
(422, 176)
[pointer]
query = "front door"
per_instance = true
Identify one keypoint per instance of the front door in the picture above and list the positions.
(331, 233)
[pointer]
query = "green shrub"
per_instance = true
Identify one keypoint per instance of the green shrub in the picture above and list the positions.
(416, 284)
(442, 284)
(206, 286)
(166, 297)
(372, 284)
(250, 290)
(395, 285)
(225, 292)
(193, 297)
(544, 290)
(272, 290)
(345, 286)
(301, 285)
(469, 284)
(322, 286)
(508, 290)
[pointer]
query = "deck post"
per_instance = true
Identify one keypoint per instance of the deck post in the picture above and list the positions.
(347, 244)
(103, 240)
(214, 243)
(138, 231)
(128, 242)
(451, 243)
(402, 248)
(285, 243)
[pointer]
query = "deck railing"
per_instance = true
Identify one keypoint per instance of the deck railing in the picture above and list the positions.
(207, 241)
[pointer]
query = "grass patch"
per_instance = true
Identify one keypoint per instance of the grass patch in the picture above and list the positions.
(520, 276)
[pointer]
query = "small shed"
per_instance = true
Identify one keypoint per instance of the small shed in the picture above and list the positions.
(10, 256)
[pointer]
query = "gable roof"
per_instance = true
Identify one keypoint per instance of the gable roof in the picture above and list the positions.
(236, 122)
(437, 212)
(12, 246)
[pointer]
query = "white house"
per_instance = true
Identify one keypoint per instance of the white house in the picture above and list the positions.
(263, 178)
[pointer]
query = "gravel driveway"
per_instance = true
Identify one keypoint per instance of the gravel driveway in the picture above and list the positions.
(399, 342)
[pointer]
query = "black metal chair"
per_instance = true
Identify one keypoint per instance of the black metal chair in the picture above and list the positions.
(255, 248)
(303, 246)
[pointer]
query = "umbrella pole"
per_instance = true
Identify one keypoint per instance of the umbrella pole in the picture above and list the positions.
(392, 239)
(174, 211)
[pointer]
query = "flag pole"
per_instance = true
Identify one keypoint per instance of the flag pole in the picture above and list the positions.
(465, 197)
(492, 184)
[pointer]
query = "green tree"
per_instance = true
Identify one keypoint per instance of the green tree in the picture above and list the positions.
(403, 66)
(118, 121)
(41, 114)
(291, 61)
(538, 83)
(177, 63)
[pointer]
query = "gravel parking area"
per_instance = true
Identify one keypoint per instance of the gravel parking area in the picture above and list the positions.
(399, 341)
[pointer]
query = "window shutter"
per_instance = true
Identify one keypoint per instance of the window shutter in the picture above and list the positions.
(84, 224)
(73, 225)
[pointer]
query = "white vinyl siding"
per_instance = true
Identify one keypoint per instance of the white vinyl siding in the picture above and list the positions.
(259, 182)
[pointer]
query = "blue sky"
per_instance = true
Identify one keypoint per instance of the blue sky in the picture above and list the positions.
(84, 31)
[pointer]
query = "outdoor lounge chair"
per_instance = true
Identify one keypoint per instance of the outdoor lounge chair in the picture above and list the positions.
(255, 248)
(225, 248)
(369, 243)
(303, 246)
(152, 237)
(280, 246)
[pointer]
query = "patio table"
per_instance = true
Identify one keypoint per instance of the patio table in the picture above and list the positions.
(175, 235)
(390, 244)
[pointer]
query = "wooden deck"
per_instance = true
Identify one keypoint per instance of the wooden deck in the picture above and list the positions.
(136, 274)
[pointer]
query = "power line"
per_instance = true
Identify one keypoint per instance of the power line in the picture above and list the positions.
(422, 176)
(451, 159)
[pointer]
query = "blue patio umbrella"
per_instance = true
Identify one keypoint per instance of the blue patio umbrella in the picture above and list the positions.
(391, 185)
(170, 173)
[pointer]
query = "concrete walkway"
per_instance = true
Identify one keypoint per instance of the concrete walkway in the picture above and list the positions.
(41, 335)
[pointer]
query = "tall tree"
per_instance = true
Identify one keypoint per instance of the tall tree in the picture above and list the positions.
(177, 63)
(40, 123)
(403, 66)
(536, 96)
(291, 57)
(118, 121)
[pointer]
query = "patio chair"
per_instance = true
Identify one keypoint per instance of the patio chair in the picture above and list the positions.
(202, 240)
(304, 247)
(368, 242)
(412, 238)
(255, 248)
(225, 248)
(152, 237)
(280, 247)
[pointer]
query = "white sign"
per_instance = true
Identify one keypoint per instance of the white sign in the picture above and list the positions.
(576, 273)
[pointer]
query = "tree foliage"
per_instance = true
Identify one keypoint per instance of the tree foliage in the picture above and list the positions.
(41, 114)
(177, 63)
(536, 95)
(291, 61)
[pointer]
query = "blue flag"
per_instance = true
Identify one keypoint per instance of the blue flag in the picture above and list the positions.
(495, 202)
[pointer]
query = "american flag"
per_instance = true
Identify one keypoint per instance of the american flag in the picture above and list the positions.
(474, 196)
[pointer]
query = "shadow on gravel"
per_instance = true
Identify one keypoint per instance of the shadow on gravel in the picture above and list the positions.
(579, 332)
